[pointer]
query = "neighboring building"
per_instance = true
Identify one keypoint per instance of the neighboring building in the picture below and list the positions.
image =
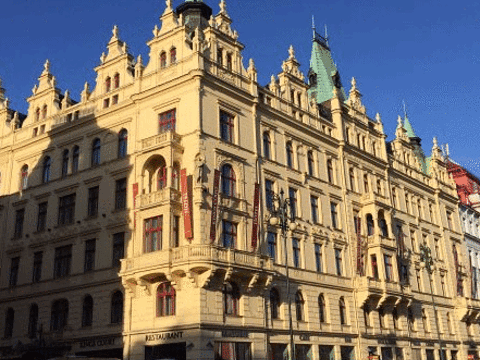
(157, 169)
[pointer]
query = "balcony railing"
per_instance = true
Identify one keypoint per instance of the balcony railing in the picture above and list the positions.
(190, 254)
(160, 140)
(157, 197)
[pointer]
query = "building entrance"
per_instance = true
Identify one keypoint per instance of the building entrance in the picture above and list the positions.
(175, 351)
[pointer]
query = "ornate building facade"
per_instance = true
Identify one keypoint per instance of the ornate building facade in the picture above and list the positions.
(135, 221)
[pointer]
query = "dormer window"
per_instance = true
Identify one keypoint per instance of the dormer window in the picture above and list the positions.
(173, 56)
(108, 84)
(116, 81)
(163, 59)
(229, 62)
(220, 57)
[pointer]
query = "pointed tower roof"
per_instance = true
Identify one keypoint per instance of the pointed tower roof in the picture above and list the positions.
(323, 75)
(408, 126)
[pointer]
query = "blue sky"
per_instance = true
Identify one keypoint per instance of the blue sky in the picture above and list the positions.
(424, 52)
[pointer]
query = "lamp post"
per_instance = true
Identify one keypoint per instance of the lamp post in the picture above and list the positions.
(426, 262)
(281, 216)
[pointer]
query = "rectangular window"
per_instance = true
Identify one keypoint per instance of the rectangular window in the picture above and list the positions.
(229, 234)
(176, 232)
(318, 257)
(62, 262)
(42, 216)
(37, 266)
(66, 210)
(338, 262)
(334, 215)
(233, 351)
(373, 260)
(19, 217)
(121, 194)
(269, 194)
(106, 103)
(314, 207)
(226, 126)
(272, 245)
(14, 266)
(166, 121)
(388, 267)
(115, 100)
(292, 194)
(296, 252)
(89, 263)
(118, 248)
(153, 233)
(92, 210)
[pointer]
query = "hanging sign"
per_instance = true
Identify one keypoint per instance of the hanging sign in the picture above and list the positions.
(187, 211)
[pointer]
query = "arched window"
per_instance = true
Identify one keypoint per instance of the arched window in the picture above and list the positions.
(176, 176)
(24, 177)
(310, 163)
(165, 300)
(289, 149)
(95, 152)
(47, 162)
(33, 321)
(75, 158)
(228, 180)
(9, 319)
(351, 176)
(231, 297)
(154, 173)
(108, 84)
(382, 224)
(267, 146)
(321, 308)
(370, 226)
(87, 313)
(163, 59)
(116, 81)
(116, 313)
(299, 304)
(343, 311)
(37, 114)
(173, 55)
(274, 303)
(44, 111)
(59, 316)
(122, 143)
(330, 171)
(65, 160)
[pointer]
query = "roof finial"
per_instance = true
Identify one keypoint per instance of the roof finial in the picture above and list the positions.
(404, 109)
(313, 26)
(326, 34)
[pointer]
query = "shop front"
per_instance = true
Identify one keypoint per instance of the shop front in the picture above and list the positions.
(110, 347)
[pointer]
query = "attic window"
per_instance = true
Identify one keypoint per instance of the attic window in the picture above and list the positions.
(220, 57)
(108, 84)
(37, 114)
(106, 103)
(173, 56)
(116, 81)
(44, 112)
(229, 62)
(163, 59)
(115, 100)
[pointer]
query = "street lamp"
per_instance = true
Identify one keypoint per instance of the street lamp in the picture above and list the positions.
(426, 262)
(281, 214)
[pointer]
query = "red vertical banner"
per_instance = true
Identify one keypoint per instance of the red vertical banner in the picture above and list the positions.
(135, 193)
(213, 222)
(186, 208)
(256, 203)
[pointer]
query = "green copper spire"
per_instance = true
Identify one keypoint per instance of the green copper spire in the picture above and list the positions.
(323, 75)
(409, 128)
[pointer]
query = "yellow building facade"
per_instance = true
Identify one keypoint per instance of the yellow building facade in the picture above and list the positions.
(136, 221)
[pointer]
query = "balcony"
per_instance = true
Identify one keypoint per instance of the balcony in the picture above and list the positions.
(191, 257)
(157, 198)
(381, 290)
(160, 140)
